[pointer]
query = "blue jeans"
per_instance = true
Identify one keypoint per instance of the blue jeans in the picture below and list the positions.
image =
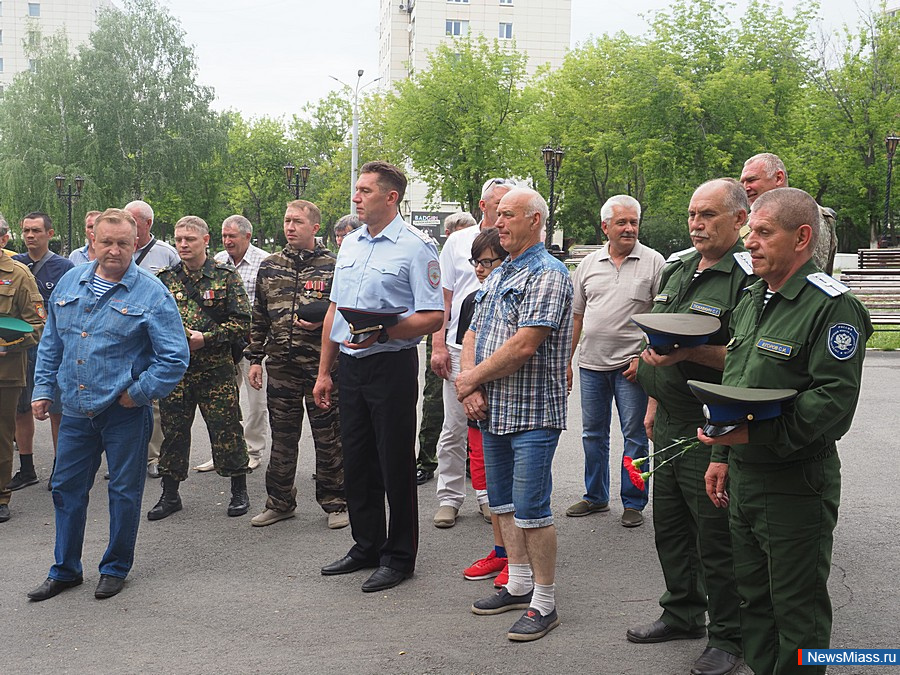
(598, 389)
(123, 433)
(517, 468)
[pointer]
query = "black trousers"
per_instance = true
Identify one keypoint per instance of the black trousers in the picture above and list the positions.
(378, 435)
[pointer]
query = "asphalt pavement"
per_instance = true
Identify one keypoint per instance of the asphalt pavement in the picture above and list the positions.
(211, 594)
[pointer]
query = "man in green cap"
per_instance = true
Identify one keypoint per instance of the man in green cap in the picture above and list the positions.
(795, 328)
(692, 538)
(19, 299)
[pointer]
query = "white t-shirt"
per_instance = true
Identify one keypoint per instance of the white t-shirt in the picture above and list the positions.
(458, 275)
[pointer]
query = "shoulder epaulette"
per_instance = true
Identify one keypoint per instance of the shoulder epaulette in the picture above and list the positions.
(676, 257)
(419, 233)
(827, 284)
(742, 258)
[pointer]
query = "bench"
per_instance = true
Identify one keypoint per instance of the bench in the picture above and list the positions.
(578, 253)
(879, 290)
(878, 258)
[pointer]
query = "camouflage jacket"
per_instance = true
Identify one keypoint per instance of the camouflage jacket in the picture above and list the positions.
(287, 281)
(222, 290)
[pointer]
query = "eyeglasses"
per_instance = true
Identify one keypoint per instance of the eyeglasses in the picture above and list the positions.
(484, 262)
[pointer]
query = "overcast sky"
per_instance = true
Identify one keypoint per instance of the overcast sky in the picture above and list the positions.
(270, 57)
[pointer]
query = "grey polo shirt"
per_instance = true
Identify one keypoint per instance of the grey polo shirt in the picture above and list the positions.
(607, 297)
(161, 255)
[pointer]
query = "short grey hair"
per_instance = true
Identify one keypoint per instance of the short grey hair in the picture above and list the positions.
(195, 223)
(492, 184)
(771, 164)
(4, 226)
(458, 221)
(735, 198)
(792, 208)
(534, 203)
(243, 225)
(625, 201)
(142, 208)
(346, 224)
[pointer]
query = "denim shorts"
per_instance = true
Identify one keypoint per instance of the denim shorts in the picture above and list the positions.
(518, 468)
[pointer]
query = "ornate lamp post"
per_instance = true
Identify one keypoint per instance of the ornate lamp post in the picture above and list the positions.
(891, 144)
(552, 160)
(296, 179)
(70, 198)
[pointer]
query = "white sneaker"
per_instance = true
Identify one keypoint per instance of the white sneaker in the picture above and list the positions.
(270, 516)
(254, 462)
(338, 519)
(206, 466)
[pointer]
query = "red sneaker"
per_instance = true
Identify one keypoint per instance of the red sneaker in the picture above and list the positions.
(486, 567)
(502, 578)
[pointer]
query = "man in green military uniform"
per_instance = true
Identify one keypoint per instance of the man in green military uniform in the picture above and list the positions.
(216, 313)
(795, 328)
(692, 539)
(292, 290)
(19, 299)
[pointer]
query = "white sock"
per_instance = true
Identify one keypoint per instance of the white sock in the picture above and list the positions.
(520, 581)
(544, 598)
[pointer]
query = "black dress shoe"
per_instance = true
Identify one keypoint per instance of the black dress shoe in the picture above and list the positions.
(384, 578)
(658, 631)
(715, 661)
(52, 587)
(108, 586)
(4, 513)
(423, 476)
(346, 565)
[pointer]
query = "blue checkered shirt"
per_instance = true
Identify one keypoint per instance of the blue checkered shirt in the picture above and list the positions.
(535, 289)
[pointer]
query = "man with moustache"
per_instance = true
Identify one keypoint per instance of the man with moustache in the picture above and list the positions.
(692, 539)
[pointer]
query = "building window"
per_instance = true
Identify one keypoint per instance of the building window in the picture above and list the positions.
(1, 64)
(34, 38)
(459, 2)
(34, 9)
(457, 28)
(506, 31)
(1, 37)
(506, 2)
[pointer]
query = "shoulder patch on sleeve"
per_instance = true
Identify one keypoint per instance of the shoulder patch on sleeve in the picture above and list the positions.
(742, 258)
(843, 341)
(434, 273)
(827, 284)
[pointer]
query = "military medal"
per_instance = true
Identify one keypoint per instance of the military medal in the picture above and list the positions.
(179, 295)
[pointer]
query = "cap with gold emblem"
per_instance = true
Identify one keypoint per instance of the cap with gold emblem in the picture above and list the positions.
(364, 322)
(13, 330)
(726, 408)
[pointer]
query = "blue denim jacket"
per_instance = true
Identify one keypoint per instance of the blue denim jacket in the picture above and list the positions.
(131, 339)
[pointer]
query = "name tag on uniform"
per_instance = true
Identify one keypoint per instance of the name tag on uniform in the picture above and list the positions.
(705, 309)
(774, 347)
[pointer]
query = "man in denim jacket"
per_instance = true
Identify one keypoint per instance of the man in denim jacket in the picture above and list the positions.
(114, 342)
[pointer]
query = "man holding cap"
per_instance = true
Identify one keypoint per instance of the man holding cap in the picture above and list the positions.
(20, 300)
(692, 539)
(386, 263)
(796, 328)
(292, 290)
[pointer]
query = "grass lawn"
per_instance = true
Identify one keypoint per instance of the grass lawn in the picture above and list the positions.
(887, 340)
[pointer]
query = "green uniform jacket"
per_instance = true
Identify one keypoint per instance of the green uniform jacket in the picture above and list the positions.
(222, 290)
(802, 339)
(715, 293)
(286, 281)
(20, 299)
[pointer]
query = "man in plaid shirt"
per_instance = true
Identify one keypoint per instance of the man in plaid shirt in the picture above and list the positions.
(513, 379)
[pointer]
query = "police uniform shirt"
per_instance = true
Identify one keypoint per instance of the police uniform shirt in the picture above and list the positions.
(397, 268)
(49, 273)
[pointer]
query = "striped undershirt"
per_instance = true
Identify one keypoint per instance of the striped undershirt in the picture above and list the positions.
(101, 286)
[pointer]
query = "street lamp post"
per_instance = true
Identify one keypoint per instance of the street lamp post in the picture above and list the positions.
(552, 160)
(297, 179)
(70, 198)
(891, 144)
(354, 141)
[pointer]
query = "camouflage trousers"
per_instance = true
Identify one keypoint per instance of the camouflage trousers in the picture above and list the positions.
(290, 388)
(215, 392)
(432, 415)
